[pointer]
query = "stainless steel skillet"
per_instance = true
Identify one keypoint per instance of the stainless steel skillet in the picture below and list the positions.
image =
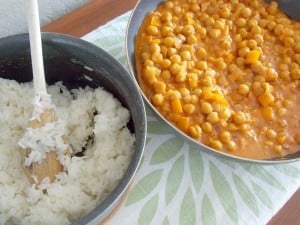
(142, 8)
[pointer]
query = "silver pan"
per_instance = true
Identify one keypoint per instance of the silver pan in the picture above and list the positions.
(142, 8)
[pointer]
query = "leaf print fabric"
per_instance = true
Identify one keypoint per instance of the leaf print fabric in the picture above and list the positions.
(208, 214)
(148, 211)
(224, 192)
(196, 168)
(174, 179)
(180, 185)
(144, 187)
(246, 194)
(187, 213)
(166, 151)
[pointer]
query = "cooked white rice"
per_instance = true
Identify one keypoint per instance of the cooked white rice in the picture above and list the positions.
(90, 178)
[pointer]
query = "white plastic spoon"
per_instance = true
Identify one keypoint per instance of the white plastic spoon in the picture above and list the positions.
(44, 138)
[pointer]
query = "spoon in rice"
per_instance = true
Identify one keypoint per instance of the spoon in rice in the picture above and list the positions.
(44, 140)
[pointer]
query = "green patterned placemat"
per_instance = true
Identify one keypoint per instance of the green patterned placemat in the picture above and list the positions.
(177, 184)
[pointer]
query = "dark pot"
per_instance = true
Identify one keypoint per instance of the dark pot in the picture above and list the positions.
(78, 63)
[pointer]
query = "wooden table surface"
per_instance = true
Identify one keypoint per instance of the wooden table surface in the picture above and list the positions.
(97, 12)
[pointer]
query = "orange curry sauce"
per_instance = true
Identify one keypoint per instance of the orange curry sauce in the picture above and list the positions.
(224, 72)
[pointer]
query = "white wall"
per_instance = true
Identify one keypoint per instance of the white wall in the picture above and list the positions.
(13, 18)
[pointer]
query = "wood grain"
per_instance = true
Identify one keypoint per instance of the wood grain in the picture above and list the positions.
(87, 18)
(289, 213)
(97, 12)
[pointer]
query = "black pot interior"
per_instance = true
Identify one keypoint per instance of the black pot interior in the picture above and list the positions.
(76, 67)
(78, 63)
(72, 61)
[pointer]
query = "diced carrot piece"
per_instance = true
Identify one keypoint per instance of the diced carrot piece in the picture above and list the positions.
(228, 57)
(176, 106)
(266, 98)
(192, 82)
(190, 20)
(154, 40)
(207, 94)
(268, 113)
(183, 123)
(220, 99)
(252, 57)
(155, 21)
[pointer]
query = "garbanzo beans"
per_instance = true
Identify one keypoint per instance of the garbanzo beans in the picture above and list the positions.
(224, 72)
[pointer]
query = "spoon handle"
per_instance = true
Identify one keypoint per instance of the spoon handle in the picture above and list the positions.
(36, 47)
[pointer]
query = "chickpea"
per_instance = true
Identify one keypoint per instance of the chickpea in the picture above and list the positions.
(207, 127)
(175, 59)
(171, 51)
(195, 7)
(180, 76)
(197, 91)
(243, 89)
(216, 144)
(226, 44)
(189, 108)
(213, 71)
(166, 16)
(174, 94)
(148, 62)
(246, 12)
(166, 63)
(194, 99)
(257, 88)
(214, 33)
(201, 52)
(158, 99)
(195, 131)
(237, 38)
(225, 12)
(169, 41)
(239, 118)
(213, 117)
(271, 134)
(219, 24)
(271, 25)
(188, 29)
(146, 56)
(174, 68)
(231, 146)
(177, 10)
(166, 75)
(202, 65)
(169, 4)
(201, 32)
(258, 38)
(191, 39)
(243, 51)
(225, 136)
(157, 57)
(206, 107)
(252, 43)
(166, 31)
(152, 30)
(225, 113)
(243, 32)
(221, 65)
(209, 21)
(186, 55)
(281, 111)
(160, 87)
(241, 22)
